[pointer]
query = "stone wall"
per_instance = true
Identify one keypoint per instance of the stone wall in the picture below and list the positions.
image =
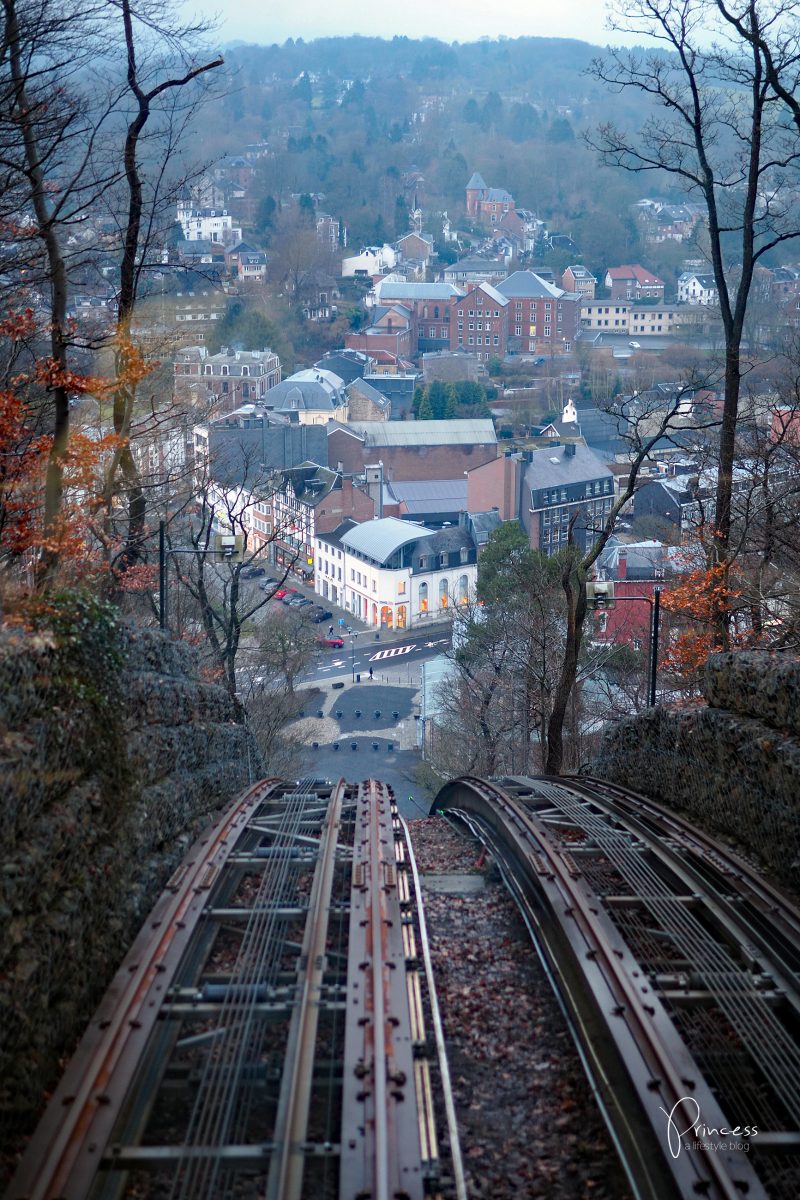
(732, 764)
(101, 793)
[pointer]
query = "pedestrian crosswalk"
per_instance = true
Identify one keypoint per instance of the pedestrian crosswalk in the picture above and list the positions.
(395, 650)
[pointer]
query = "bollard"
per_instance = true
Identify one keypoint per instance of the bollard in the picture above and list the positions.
(395, 715)
(315, 745)
(390, 747)
(336, 745)
(357, 713)
(338, 714)
(377, 714)
(320, 713)
(354, 745)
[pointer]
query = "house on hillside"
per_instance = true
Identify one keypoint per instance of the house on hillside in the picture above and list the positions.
(633, 283)
(577, 279)
(474, 269)
(310, 397)
(697, 288)
(487, 206)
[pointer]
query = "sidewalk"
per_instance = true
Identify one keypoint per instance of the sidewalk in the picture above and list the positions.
(436, 622)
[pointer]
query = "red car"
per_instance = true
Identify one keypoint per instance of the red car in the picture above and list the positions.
(278, 594)
(333, 643)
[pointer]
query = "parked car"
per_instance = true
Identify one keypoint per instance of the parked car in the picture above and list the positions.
(321, 614)
(333, 643)
(636, 345)
(253, 572)
(290, 595)
(267, 583)
(304, 603)
(279, 594)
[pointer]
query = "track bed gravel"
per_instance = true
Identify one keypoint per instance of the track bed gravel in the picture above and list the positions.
(528, 1123)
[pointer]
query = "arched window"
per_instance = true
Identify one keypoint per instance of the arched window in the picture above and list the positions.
(463, 590)
(443, 597)
(423, 597)
(401, 616)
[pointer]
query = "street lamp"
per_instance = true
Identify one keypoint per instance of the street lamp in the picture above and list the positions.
(353, 635)
(601, 595)
(226, 549)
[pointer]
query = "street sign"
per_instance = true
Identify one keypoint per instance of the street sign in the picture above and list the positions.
(341, 621)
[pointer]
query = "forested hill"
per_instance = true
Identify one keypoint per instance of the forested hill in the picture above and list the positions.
(351, 117)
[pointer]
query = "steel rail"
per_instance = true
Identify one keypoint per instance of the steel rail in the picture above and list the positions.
(64, 1154)
(610, 971)
(749, 1011)
(773, 904)
(380, 1140)
(438, 1029)
(286, 1168)
(219, 1088)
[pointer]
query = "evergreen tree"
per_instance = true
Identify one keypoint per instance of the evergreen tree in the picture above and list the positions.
(438, 397)
(419, 395)
(425, 412)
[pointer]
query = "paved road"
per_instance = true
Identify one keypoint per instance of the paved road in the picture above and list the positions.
(368, 729)
(382, 656)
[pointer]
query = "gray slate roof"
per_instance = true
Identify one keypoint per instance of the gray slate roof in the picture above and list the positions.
(419, 291)
(528, 284)
(380, 538)
(553, 467)
(300, 396)
(431, 495)
(467, 432)
(476, 182)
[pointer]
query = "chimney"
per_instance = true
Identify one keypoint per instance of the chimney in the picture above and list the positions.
(569, 450)
(622, 565)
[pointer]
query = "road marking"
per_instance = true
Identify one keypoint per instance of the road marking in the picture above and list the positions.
(391, 653)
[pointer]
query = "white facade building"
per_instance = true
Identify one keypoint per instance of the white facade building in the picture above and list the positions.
(207, 224)
(373, 260)
(396, 574)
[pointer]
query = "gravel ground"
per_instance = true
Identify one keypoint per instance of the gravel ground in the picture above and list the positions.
(528, 1123)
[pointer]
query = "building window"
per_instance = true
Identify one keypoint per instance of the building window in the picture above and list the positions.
(423, 597)
(443, 596)
(462, 592)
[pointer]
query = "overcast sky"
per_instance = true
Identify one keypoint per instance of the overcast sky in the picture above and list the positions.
(450, 20)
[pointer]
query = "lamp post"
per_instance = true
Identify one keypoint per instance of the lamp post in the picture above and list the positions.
(353, 635)
(226, 549)
(602, 594)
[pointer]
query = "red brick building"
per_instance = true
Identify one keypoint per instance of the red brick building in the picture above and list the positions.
(541, 318)
(487, 206)
(479, 323)
(412, 449)
(633, 283)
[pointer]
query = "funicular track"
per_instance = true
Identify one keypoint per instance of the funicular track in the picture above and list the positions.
(273, 1031)
(678, 969)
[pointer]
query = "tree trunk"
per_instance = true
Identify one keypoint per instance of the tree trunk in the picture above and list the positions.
(575, 593)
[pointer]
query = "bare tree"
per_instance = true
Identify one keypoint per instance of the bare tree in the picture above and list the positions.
(227, 601)
(716, 85)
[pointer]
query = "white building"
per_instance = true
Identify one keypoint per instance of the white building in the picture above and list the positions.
(207, 224)
(372, 260)
(396, 574)
(694, 288)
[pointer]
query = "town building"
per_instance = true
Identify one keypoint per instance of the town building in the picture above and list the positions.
(559, 483)
(394, 574)
(412, 449)
(633, 320)
(475, 269)
(487, 206)
(248, 447)
(541, 318)
(229, 378)
(311, 397)
(310, 500)
(697, 288)
(633, 283)
(576, 278)
(479, 324)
